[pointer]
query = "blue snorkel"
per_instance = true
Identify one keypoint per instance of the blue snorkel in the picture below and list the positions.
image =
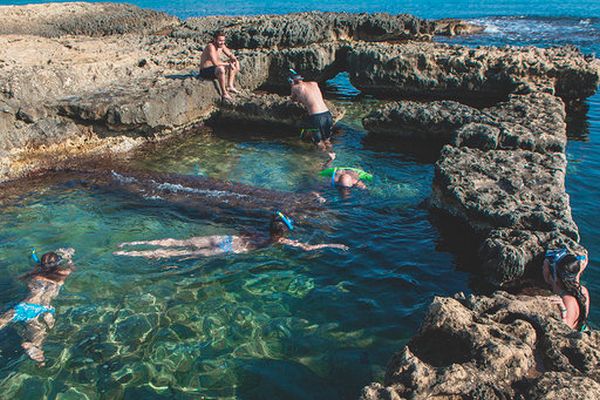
(35, 257)
(288, 221)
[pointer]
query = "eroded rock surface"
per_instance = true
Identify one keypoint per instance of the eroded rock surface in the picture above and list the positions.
(271, 111)
(302, 29)
(439, 70)
(111, 70)
(534, 122)
(101, 19)
(499, 347)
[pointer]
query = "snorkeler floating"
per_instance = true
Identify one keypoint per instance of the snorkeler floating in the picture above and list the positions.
(44, 284)
(346, 177)
(206, 246)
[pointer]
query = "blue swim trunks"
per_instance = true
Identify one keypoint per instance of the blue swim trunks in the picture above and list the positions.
(27, 311)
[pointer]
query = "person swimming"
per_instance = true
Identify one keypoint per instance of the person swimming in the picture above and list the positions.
(562, 271)
(207, 246)
(345, 177)
(35, 311)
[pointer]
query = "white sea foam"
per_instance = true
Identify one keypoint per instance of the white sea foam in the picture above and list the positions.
(175, 187)
(491, 28)
(123, 178)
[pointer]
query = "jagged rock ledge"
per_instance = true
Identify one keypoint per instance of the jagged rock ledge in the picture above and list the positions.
(498, 347)
(502, 173)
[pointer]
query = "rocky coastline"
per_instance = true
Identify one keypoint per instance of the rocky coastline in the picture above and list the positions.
(82, 81)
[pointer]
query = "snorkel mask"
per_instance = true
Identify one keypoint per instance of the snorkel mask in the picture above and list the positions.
(53, 264)
(286, 220)
(294, 76)
(554, 257)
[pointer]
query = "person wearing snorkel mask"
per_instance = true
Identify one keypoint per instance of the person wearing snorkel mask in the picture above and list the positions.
(35, 311)
(206, 246)
(320, 118)
(562, 270)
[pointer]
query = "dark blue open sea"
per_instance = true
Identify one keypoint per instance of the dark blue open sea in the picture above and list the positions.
(277, 323)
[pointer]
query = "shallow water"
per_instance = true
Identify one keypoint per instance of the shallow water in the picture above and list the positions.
(277, 323)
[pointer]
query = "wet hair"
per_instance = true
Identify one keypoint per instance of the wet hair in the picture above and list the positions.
(218, 33)
(567, 269)
(277, 228)
(48, 267)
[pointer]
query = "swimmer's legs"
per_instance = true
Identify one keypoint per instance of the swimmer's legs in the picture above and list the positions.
(35, 335)
(199, 242)
(164, 253)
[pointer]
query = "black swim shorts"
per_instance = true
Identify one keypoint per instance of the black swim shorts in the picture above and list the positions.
(209, 73)
(323, 124)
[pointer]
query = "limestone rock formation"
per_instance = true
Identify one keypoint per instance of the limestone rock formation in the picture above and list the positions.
(432, 121)
(535, 122)
(498, 347)
(302, 29)
(440, 70)
(267, 111)
(101, 19)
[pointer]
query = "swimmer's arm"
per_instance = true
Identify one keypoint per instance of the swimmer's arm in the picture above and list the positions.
(360, 185)
(230, 54)
(327, 163)
(311, 247)
(6, 318)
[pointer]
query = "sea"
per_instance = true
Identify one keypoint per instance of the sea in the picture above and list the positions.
(278, 323)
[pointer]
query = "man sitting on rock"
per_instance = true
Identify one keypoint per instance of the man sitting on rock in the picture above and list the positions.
(321, 120)
(211, 66)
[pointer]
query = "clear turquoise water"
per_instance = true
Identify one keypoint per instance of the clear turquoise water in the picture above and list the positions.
(277, 323)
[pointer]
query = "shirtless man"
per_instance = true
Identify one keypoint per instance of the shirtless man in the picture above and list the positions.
(211, 66)
(321, 120)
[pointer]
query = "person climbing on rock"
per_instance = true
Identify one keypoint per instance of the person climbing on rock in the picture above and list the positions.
(319, 116)
(562, 270)
(206, 246)
(35, 311)
(211, 66)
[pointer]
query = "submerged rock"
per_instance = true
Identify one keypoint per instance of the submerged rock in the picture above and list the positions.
(498, 347)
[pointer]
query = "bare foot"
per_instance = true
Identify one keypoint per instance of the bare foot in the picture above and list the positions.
(226, 97)
(231, 89)
(34, 352)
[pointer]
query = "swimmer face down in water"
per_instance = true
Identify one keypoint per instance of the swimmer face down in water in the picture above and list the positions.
(35, 311)
(344, 178)
(206, 246)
